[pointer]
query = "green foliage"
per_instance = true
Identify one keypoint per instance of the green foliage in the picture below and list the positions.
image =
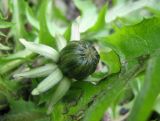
(18, 18)
(126, 35)
(134, 41)
(111, 59)
(149, 92)
(109, 94)
(44, 35)
(21, 110)
(5, 24)
(86, 22)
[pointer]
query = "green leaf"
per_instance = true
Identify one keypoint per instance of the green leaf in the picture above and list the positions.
(150, 90)
(18, 18)
(5, 24)
(54, 23)
(4, 68)
(112, 90)
(99, 29)
(100, 22)
(1, 16)
(14, 60)
(44, 35)
(31, 18)
(135, 41)
(21, 110)
(89, 16)
(67, 33)
(57, 115)
(8, 87)
(18, 55)
(111, 59)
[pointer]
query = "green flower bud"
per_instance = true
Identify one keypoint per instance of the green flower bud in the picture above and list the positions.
(78, 59)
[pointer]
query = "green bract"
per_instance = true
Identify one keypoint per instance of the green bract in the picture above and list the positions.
(78, 59)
